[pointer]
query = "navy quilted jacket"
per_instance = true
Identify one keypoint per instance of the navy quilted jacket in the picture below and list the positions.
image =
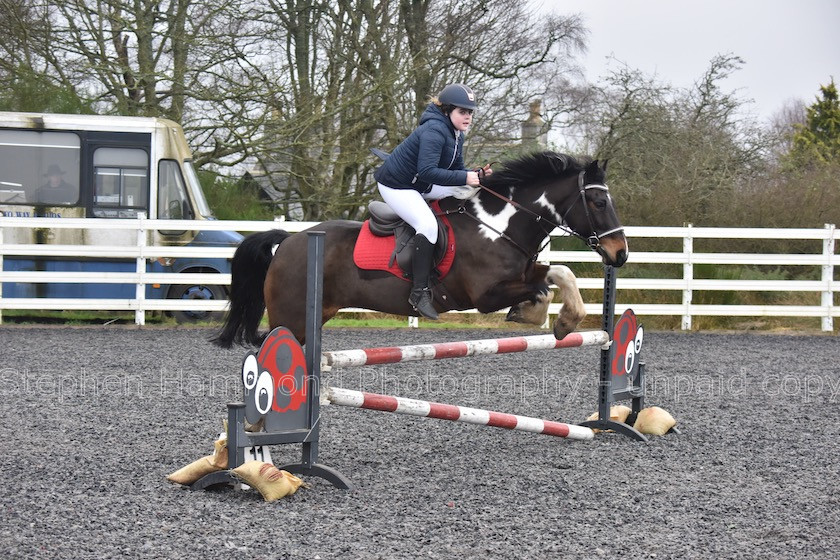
(431, 155)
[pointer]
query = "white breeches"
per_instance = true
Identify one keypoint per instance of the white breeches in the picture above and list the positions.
(411, 206)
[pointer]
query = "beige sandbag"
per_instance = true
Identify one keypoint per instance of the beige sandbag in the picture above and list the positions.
(618, 413)
(206, 465)
(195, 470)
(220, 452)
(271, 482)
(655, 421)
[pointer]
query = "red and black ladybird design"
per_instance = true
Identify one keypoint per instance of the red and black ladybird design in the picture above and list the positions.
(628, 335)
(274, 379)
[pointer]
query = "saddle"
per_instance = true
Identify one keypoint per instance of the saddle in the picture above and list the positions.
(386, 242)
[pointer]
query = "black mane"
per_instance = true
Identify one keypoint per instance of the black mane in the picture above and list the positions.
(532, 168)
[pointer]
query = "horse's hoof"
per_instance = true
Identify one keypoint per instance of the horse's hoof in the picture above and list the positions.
(562, 329)
(531, 313)
(514, 314)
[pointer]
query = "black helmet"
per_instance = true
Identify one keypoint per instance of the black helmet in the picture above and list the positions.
(458, 95)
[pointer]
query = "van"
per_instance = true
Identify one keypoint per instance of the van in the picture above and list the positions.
(103, 167)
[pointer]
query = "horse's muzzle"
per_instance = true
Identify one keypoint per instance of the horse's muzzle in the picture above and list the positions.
(620, 257)
(614, 251)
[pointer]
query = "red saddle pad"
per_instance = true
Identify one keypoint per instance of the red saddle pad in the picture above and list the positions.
(373, 252)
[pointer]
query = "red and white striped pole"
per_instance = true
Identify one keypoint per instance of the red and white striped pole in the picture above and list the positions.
(413, 407)
(395, 354)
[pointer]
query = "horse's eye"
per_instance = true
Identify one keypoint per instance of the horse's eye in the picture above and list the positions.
(601, 204)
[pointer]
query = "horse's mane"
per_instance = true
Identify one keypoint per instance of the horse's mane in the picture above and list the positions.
(532, 168)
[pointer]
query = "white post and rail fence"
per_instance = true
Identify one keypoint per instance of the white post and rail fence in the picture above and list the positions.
(819, 265)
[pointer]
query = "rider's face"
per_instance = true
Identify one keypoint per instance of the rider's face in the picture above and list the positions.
(461, 118)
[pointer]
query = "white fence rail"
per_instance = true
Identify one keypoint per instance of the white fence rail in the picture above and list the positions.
(825, 261)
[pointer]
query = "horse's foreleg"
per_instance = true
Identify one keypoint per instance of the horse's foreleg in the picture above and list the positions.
(572, 312)
(528, 297)
(524, 297)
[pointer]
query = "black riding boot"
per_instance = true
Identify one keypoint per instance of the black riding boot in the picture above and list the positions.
(421, 295)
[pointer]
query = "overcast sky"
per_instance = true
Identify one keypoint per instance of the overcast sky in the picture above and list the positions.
(789, 47)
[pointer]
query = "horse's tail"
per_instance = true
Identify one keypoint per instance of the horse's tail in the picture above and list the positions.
(247, 303)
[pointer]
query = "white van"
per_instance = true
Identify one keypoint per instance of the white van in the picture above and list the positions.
(101, 167)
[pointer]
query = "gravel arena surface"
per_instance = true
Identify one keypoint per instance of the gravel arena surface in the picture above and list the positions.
(96, 417)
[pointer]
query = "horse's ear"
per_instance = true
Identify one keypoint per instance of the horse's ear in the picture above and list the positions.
(596, 170)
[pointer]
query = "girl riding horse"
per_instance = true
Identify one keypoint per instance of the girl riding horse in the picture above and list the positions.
(429, 165)
(498, 234)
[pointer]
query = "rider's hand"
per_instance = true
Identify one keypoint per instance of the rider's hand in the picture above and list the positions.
(472, 179)
(487, 170)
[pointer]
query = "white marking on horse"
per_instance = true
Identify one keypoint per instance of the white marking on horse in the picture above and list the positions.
(499, 221)
(543, 201)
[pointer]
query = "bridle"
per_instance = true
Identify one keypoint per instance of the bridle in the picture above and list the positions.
(593, 241)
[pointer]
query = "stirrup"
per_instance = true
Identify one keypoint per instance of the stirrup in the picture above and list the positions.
(421, 301)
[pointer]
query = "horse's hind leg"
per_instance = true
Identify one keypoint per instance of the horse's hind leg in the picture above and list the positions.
(572, 312)
(534, 310)
(531, 312)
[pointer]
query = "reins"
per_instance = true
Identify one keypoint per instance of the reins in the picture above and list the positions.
(462, 210)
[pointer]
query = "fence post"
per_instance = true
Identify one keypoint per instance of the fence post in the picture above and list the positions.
(828, 277)
(1, 270)
(544, 258)
(140, 292)
(688, 277)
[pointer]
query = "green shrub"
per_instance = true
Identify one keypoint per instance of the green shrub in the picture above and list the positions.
(234, 199)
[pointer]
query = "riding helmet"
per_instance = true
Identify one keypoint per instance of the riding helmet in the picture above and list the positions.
(458, 95)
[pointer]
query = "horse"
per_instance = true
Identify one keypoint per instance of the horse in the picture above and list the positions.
(499, 233)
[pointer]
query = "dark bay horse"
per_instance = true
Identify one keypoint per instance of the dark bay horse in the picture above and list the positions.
(498, 234)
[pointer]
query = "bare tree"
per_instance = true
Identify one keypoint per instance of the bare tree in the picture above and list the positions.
(783, 126)
(19, 30)
(300, 85)
(140, 57)
(358, 74)
(510, 55)
(337, 70)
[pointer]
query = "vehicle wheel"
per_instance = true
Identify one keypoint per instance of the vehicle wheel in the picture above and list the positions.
(199, 291)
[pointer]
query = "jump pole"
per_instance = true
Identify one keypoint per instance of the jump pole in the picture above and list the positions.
(417, 352)
(454, 413)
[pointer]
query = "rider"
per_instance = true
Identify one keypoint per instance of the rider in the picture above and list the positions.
(429, 165)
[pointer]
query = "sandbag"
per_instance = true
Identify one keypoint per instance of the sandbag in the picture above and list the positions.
(654, 421)
(270, 481)
(618, 413)
(204, 466)
(195, 470)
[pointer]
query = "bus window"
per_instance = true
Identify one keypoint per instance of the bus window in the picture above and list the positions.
(120, 182)
(39, 167)
(173, 203)
(198, 193)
